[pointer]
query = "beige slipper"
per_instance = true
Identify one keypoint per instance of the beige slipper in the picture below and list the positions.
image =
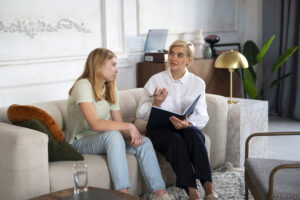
(212, 196)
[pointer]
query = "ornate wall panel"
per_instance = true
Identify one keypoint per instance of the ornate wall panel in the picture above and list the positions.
(31, 30)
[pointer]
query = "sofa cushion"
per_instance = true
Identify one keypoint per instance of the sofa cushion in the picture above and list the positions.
(216, 128)
(61, 174)
(128, 106)
(141, 125)
(62, 106)
(19, 113)
(57, 151)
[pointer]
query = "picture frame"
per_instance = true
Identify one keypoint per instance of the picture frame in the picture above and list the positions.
(220, 48)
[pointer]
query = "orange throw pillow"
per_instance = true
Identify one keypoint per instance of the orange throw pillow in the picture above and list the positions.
(20, 113)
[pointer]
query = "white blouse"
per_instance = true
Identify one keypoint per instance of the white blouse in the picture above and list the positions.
(181, 93)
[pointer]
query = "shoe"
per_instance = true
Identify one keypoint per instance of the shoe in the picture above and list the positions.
(212, 196)
(165, 196)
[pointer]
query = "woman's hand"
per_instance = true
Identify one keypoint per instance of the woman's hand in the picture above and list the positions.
(159, 96)
(134, 136)
(129, 131)
(180, 124)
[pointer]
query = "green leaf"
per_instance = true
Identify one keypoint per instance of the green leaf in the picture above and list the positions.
(280, 79)
(283, 57)
(238, 72)
(250, 51)
(248, 75)
(264, 49)
(253, 73)
(250, 89)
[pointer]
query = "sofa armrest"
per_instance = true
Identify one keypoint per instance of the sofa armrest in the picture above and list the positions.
(24, 162)
(216, 128)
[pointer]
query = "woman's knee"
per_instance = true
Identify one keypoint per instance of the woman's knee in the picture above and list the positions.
(176, 139)
(146, 140)
(114, 138)
(193, 133)
(146, 143)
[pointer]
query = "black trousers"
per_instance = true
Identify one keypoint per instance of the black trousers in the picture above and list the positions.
(185, 150)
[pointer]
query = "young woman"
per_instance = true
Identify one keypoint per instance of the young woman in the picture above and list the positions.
(184, 145)
(92, 100)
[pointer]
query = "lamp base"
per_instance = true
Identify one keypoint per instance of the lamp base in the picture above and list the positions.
(232, 102)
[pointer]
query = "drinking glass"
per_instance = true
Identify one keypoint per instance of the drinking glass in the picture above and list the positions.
(80, 177)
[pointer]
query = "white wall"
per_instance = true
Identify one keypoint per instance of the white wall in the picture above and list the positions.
(44, 44)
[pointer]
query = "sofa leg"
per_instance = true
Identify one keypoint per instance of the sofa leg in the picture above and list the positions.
(246, 192)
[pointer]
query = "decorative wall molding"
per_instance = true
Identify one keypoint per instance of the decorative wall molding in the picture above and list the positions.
(123, 61)
(23, 74)
(114, 25)
(41, 60)
(38, 83)
(33, 28)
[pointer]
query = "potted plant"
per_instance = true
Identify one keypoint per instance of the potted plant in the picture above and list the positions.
(255, 56)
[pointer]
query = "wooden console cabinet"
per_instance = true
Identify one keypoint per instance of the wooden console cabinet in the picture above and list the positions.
(145, 70)
(217, 80)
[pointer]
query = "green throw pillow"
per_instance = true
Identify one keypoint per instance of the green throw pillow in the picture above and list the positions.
(57, 151)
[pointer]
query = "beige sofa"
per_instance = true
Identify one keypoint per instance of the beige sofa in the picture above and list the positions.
(25, 171)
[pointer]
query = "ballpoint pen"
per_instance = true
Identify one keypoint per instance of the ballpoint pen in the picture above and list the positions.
(155, 94)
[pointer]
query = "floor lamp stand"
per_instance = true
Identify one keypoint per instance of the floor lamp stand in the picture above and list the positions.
(231, 70)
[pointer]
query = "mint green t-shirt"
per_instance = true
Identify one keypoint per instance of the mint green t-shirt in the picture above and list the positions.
(77, 125)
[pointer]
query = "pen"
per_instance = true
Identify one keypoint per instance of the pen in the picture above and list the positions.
(155, 94)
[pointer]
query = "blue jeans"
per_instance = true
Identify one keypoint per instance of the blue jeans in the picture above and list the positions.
(112, 143)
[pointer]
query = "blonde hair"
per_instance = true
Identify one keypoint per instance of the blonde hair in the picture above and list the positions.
(187, 45)
(92, 71)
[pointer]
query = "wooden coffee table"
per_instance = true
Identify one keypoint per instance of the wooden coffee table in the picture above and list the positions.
(68, 192)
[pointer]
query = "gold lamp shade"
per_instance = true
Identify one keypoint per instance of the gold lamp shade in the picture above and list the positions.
(231, 60)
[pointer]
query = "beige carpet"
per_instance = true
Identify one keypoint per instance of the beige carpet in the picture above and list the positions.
(228, 182)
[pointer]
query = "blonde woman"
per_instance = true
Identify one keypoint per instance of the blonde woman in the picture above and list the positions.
(92, 100)
(184, 144)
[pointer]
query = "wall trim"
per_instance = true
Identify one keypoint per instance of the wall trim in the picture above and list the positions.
(103, 23)
(13, 62)
(122, 35)
(46, 82)
(122, 60)
(33, 28)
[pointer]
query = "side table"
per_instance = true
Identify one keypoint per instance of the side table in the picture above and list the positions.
(246, 117)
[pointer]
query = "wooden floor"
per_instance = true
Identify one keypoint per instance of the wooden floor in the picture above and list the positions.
(284, 147)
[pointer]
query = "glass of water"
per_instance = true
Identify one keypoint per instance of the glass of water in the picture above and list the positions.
(80, 177)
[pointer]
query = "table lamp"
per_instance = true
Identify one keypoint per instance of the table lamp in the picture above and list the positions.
(231, 60)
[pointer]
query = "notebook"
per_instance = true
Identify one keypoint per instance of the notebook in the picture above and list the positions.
(159, 118)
